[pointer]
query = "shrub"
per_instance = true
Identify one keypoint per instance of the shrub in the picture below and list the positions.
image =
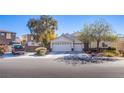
(111, 48)
(1, 51)
(111, 53)
(41, 51)
(103, 49)
(117, 53)
(108, 54)
(122, 54)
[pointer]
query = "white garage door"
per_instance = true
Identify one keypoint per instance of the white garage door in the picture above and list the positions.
(61, 46)
(78, 47)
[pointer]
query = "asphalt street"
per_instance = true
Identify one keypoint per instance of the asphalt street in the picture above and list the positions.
(19, 67)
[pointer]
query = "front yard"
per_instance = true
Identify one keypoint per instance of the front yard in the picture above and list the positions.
(30, 66)
(49, 68)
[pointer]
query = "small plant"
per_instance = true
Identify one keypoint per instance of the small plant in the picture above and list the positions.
(111, 53)
(122, 54)
(1, 51)
(108, 54)
(41, 51)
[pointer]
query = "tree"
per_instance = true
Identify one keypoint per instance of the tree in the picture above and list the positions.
(97, 31)
(86, 36)
(23, 42)
(43, 29)
(102, 31)
(1, 40)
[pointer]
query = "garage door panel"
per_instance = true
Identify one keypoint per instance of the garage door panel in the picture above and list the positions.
(61, 48)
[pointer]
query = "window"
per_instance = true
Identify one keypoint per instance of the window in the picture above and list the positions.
(8, 35)
(104, 45)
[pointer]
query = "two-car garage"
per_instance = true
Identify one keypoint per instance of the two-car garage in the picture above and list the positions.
(61, 46)
(64, 44)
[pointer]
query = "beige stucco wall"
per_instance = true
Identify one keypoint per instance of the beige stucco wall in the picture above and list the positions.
(109, 44)
(119, 44)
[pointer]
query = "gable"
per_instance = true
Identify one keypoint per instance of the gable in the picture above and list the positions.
(62, 39)
(77, 41)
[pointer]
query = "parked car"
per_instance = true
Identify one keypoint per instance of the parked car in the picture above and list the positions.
(18, 49)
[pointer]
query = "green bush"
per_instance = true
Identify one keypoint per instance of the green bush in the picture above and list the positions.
(41, 51)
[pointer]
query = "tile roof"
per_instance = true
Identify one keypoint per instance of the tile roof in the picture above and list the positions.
(6, 31)
(71, 37)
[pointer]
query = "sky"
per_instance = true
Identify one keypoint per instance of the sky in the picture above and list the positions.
(66, 23)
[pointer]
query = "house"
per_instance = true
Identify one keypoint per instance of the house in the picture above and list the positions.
(70, 42)
(66, 42)
(29, 43)
(6, 37)
(18, 40)
(27, 37)
(119, 44)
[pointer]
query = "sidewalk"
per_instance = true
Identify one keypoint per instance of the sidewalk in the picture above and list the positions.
(32, 55)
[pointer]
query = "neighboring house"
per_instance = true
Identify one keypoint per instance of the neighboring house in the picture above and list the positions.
(31, 46)
(27, 38)
(66, 42)
(29, 43)
(18, 40)
(120, 44)
(6, 37)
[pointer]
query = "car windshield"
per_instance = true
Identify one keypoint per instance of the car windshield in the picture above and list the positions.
(18, 47)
